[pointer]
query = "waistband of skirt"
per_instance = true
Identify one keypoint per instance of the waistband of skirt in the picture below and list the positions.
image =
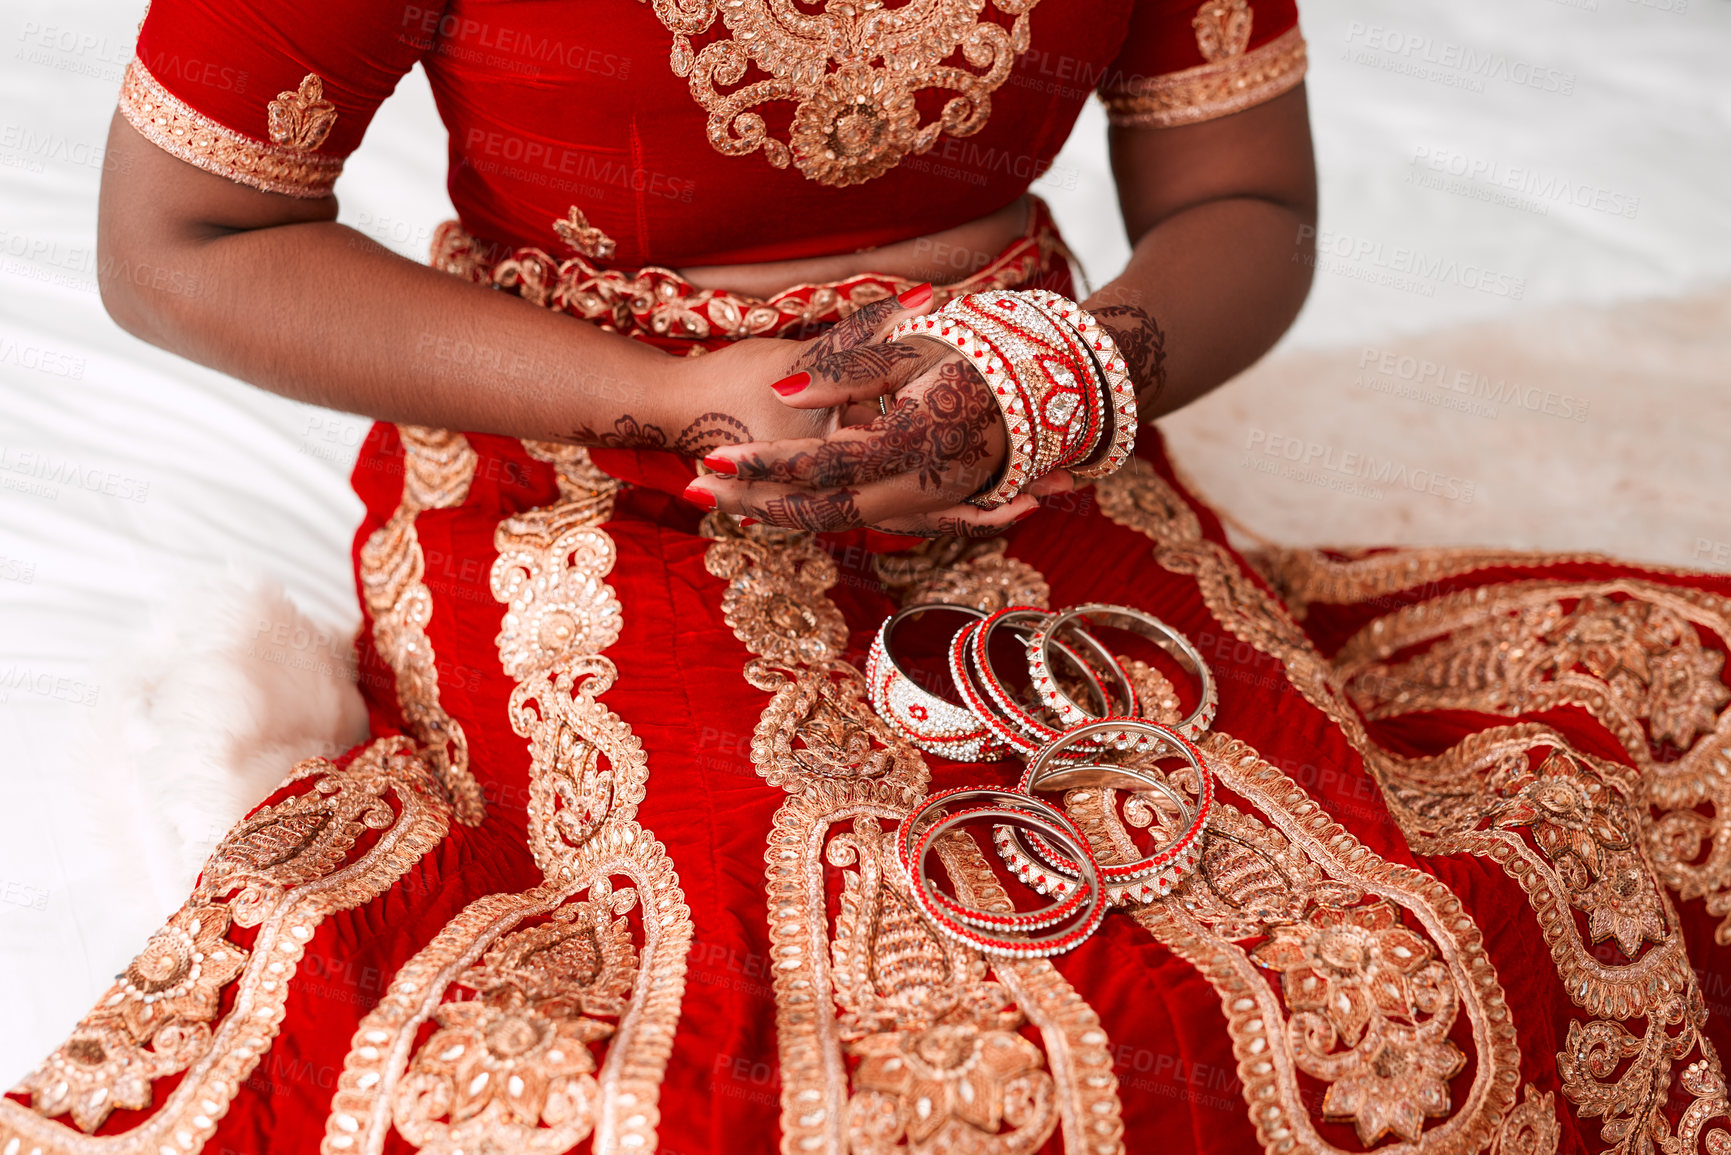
(660, 306)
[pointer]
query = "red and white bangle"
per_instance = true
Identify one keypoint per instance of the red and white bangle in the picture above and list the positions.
(1120, 388)
(1133, 620)
(926, 717)
(1059, 381)
(962, 923)
(1148, 877)
(1017, 726)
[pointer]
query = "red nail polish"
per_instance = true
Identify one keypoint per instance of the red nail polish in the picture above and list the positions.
(788, 386)
(915, 297)
(722, 465)
(745, 521)
(698, 496)
(1025, 515)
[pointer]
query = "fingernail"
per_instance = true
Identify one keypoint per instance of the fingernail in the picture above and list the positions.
(745, 521)
(721, 465)
(1025, 514)
(698, 496)
(788, 386)
(915, 297)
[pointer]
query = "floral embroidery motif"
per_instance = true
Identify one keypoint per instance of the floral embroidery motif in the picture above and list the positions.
(941, 1067)
(516, 1055)
(509, 1066)
(281, 870)
(1531, 1128)
(1222, 28)
(182, 131)
(437, 469)
(583, 237)
(1355, 975)
(857, 120)
(302, 119)
(1225, 85)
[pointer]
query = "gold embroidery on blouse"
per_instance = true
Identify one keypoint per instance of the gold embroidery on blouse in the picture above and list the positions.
(561, 966)
(932, 1027)
(303, 118)
(857, 120)
(437, 469)
(181, 131)
(281, 870)
(659, 302)
(583, 237)
(1222, 28)
(1221, 87)
(1586, 852)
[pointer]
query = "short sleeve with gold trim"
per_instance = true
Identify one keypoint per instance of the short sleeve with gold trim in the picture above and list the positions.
(269, 93)
(1186, 62)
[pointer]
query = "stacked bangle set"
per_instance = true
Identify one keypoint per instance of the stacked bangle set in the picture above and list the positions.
(1056, 374)
(1076, 708)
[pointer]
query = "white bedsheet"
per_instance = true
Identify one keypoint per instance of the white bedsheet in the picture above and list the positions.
(139, 492)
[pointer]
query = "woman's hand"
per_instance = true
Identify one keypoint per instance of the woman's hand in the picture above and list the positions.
(906, 470)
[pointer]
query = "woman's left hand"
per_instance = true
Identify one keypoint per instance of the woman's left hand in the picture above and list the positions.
(907, 470)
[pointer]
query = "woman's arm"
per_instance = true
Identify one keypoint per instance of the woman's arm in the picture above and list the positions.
(1221, 262)
(1221, 218)
(272, 290)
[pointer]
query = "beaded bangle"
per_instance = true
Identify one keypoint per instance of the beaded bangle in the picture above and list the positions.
(926, 719)
(1128, 618)
(933, 819)
(1120, 389)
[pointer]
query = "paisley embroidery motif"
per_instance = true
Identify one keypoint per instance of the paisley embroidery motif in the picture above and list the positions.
(851, 71)
(437, 469)
(932, 1026)
(282, 870)
(1222, 28)
(521, 985)
(301, 119)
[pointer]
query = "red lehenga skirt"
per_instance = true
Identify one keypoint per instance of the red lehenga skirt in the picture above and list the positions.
(612, 874)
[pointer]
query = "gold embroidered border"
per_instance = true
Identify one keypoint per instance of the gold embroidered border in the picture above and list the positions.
(437, 469)
(820, 741)
(587, 774)
(1303, 576)
(181, 131)
(1216, 89)
(281, 870)
(1633, 1101)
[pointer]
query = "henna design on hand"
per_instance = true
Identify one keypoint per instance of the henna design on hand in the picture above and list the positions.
(1143, 344)
(707, 432)
(817, 513)
(939, 433)
(710, 431)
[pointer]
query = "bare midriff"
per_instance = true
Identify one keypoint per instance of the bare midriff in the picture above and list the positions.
(941, 258)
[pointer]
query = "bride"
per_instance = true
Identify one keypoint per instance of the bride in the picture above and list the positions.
(626, 862)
